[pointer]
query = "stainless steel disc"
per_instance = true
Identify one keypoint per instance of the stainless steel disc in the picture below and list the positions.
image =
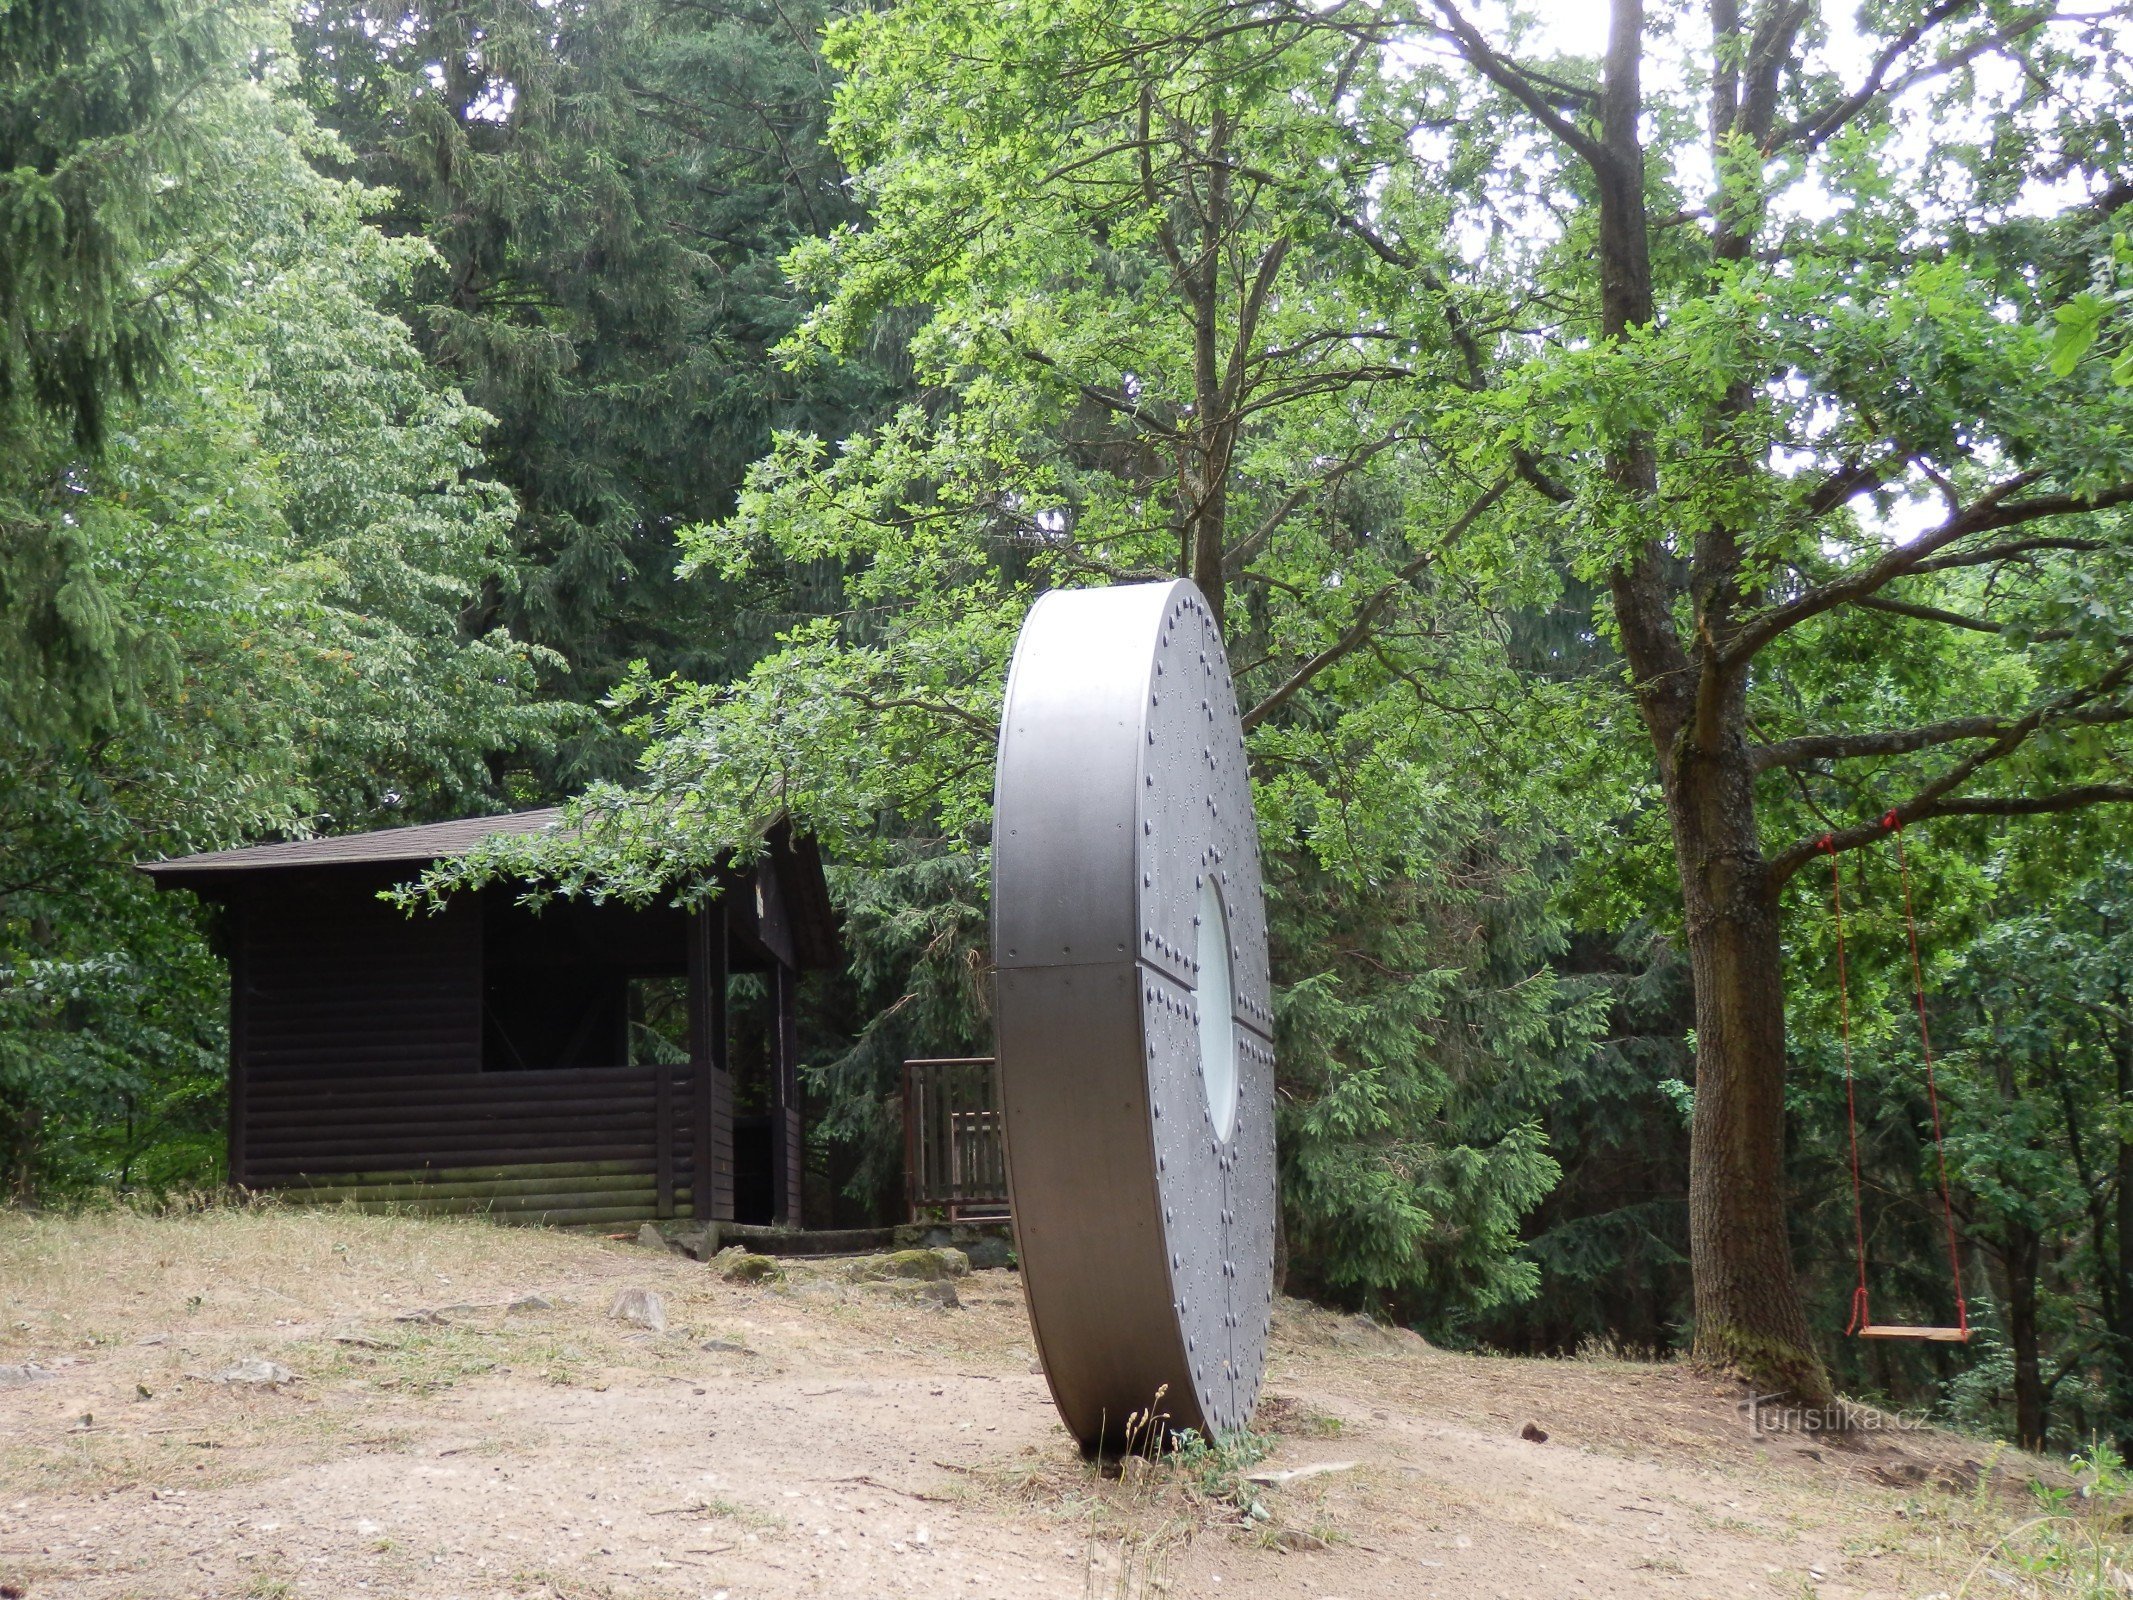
(1134, 1022)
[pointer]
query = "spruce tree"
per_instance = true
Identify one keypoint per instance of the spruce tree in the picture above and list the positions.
(609, 188)
(99, 134)
(106, 118)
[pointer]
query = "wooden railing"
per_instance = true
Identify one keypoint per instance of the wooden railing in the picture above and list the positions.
(954, 1160)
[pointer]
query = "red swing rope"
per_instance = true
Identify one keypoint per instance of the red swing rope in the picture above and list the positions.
(1861, 1315)
(1894, 824)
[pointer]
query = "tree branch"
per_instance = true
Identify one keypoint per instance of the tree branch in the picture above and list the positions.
(2078, 798)
(1105, 398)
(934, 708)
(1895, 742)
(1818, 126)
(1951, 619)
(1366, 614)
(1903, 608)
(1245, 549)
(1940, 799)
(1901, 741)
(1989, 514)
(2006, 551)
(1851, 478)
(1507, 76)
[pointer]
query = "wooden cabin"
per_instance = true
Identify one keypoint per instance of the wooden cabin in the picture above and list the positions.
(580, 1064)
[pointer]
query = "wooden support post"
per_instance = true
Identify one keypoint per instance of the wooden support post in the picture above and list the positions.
(786, 1158)
(240, 974)
(711, 1180)
(663, 1137)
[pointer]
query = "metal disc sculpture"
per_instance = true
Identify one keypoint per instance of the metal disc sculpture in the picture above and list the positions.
(1134, 1023)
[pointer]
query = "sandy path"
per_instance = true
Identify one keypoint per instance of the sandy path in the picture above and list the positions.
(835, 1440)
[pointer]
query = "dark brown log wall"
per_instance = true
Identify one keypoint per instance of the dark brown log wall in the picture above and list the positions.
(300, 1127)
(339, 984)
(357, 1046)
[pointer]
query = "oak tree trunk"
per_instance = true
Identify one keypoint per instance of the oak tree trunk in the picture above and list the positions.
(1749, 1316)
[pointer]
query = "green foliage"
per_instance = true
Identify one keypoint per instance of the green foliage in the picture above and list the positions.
(2042, 1144)
(750, 367)
(107, 123)
(284, 536)
(1091, 414)
(606, 188)
(110, 113)
(2081, 321)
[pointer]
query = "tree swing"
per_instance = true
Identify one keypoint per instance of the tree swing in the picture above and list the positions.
(1863, 1324)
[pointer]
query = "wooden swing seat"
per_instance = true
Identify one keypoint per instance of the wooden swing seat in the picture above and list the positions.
(1895, 1330)
(1861, 1325)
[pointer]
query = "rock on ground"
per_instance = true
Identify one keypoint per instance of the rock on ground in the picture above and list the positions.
(736, 1264)
(256, 1370)
(645, 1307)
(924, 1265)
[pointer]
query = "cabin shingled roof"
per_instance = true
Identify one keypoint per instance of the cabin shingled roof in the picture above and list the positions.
(216, 872)
(428, 841)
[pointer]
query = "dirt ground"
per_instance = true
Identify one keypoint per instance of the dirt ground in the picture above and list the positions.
(817, 1436)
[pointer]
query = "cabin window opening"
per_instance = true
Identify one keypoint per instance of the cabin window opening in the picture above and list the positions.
(536, 1020)
(578, 987)
(658, 1021)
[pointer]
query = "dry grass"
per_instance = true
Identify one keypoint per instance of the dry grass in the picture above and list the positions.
(836, 1374)
(320, 1292)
